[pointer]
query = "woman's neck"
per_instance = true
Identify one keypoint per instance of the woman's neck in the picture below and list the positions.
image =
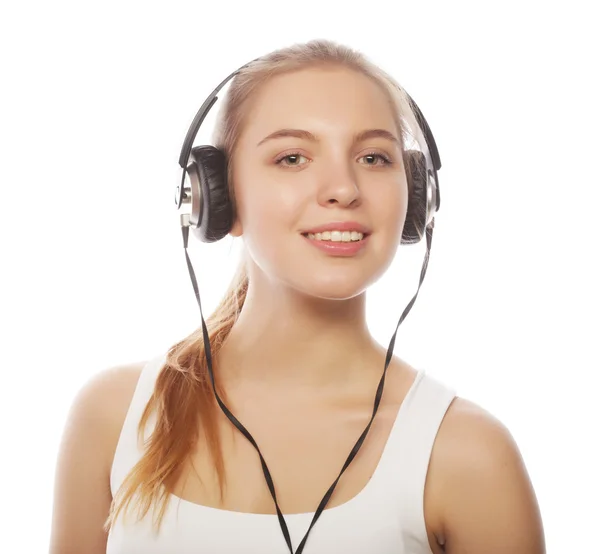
(287, 338)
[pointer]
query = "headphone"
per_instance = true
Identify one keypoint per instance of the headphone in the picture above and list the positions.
(211, 216)
(211, 219)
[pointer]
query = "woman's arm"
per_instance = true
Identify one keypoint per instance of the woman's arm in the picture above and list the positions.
(489, 505)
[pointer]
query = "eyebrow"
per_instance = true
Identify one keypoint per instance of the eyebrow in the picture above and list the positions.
(358, 137)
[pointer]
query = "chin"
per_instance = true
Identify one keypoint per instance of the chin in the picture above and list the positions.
(331, 289)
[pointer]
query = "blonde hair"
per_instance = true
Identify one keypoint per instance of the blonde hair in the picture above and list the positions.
(183, 396)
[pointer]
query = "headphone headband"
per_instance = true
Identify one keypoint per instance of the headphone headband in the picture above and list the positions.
(199, 118)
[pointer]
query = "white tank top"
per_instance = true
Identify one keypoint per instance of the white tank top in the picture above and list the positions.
(386, 517)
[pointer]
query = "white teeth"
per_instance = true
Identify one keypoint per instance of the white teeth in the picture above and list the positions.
(337, 236)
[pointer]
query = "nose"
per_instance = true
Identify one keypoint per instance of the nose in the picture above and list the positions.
(339, 185)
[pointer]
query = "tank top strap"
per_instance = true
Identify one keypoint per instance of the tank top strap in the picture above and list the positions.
(408, 453)
(130, 447)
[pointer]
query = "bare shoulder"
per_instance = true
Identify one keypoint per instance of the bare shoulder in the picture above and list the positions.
(110, 392)
(82, 495)
(469, 423)
(483, 492)
(103, 402)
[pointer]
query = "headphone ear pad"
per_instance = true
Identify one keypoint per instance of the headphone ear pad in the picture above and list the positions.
(213, 212)
(416, 214)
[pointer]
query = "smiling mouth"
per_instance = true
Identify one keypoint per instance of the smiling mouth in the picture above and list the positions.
(337, 237)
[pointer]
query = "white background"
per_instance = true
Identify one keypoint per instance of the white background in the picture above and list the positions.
(96, 99)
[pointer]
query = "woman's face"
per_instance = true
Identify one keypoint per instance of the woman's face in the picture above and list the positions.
(321, 173)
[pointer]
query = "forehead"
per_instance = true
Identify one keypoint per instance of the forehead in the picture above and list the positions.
(319, 99)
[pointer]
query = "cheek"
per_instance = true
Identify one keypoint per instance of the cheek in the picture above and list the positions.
(268, 222)
(267, 202)
(264, 208)
(391, 212)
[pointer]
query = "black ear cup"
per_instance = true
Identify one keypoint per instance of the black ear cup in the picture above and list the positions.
(212, 215)
(416, 213)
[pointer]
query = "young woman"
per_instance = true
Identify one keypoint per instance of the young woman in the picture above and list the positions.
(315, 141)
